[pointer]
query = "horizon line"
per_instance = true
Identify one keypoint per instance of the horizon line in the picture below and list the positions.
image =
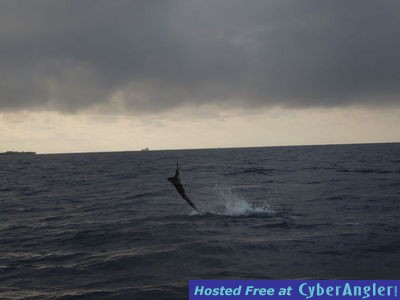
(218, 148)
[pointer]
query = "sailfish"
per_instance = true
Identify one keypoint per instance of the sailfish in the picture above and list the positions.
(176, 181)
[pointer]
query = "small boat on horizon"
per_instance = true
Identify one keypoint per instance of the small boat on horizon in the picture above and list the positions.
(145, 149)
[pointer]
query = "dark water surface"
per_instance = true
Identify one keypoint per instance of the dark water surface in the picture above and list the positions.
(110, 226)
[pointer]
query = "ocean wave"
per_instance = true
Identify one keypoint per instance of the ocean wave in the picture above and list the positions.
(254, 170)
(365, 171)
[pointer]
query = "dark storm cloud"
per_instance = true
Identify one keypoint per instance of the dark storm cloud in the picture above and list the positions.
(152, 55)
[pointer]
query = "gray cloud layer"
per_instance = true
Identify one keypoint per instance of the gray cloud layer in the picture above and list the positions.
(153, 55)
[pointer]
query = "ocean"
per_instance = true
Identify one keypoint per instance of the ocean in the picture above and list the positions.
(110, 226)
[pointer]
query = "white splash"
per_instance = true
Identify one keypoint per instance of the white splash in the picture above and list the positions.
(228, 203)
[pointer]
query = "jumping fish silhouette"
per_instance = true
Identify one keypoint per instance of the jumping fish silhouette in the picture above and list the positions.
(176, 181)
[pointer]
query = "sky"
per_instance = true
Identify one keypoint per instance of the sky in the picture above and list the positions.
(84, 76)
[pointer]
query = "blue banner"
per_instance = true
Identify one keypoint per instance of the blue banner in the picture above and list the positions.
(294, 289)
